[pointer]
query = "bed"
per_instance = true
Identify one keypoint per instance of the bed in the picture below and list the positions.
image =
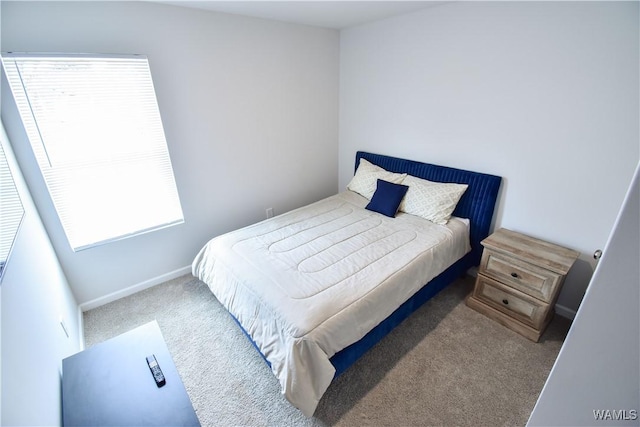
(316, 287)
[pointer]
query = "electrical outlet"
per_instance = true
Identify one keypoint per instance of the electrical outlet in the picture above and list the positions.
(269, 212)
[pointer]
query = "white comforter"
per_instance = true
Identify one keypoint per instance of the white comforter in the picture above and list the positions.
(308, 283)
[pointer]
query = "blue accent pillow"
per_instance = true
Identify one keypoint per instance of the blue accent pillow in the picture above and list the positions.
(387, 198)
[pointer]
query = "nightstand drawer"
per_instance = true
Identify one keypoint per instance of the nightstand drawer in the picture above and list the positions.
(525, 277)
(519, 306)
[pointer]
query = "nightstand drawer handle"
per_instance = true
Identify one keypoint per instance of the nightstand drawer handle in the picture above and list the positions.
(514, 275)
(505, 302)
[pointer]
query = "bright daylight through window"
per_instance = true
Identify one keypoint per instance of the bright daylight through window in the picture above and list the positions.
(96, 132)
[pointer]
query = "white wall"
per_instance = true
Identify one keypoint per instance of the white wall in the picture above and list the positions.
(544, 94)
(250, 113)
(35, 295)
(607, 329)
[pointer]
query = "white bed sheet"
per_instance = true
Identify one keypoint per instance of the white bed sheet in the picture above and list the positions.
(308, 283)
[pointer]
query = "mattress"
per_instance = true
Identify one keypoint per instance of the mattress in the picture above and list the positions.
(308, 283)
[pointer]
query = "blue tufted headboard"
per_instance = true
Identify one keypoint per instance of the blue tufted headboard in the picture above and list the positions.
(477, 203)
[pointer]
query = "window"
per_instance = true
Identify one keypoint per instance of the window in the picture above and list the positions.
(95, 129)
(11, 210)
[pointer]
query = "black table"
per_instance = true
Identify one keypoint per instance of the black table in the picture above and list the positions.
(111, 384)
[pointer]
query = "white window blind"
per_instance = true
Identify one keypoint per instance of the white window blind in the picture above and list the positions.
(11, 210)
(96, 132)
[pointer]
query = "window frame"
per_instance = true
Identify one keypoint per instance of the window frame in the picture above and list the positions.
(39, 146)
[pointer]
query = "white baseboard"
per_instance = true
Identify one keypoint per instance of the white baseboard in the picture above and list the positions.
(135, 288)
(565, 312)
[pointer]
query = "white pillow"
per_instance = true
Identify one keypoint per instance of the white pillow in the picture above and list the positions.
(434, 201)
(365, 181)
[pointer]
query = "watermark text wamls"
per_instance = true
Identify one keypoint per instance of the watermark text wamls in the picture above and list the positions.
(615, 414)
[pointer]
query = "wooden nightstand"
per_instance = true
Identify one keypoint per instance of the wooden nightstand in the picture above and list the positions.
(519, 281)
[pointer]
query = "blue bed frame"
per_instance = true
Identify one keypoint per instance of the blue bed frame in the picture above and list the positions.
(477, 204)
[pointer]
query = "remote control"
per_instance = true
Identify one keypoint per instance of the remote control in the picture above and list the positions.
(156, 371)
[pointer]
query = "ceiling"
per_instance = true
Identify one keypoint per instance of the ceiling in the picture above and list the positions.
(327, 14)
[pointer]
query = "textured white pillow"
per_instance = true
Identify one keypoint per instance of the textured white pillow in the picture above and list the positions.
(434, 201)
(365, 180)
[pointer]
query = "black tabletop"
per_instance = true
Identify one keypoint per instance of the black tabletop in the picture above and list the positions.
(111, 384)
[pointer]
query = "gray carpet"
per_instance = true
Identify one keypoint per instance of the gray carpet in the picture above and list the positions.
(445, 365)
